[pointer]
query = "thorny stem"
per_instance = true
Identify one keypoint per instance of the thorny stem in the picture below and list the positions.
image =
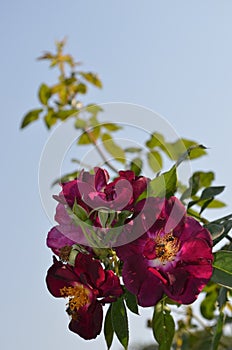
(92, 139)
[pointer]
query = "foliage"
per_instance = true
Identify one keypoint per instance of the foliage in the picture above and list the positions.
(61, 101)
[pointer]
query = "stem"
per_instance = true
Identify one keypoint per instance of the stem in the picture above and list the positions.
(93, 140)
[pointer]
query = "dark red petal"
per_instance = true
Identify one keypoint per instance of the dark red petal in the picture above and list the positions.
(195, 252)
(56, 240)
(89, 270)
(149, 251)
(139, 186)
(134, 273)
(193, 229)
(185, 288)
(71, 192)
(151, 291)
(127, 174)
(131, 249)
(89, 322)
(174, 213)
(110, 289)
(58, 276)
(101, 178)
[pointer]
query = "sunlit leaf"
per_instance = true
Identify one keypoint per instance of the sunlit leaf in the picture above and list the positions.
(111, 126)
(92, 78)
(136, 165)
(156, 140)
(65, 178)
(114, 149)
(44, 94)
(64, 114)
(80, 123)
(31, 117)
(50, 118)
(80, 88)
(89, 137)
(133, 149)
(178, 148)
(155, 161)
(216, 204)
(93, 109)
(164, 185)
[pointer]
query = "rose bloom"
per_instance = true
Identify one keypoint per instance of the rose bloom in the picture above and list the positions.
(87, 286)
(92, 192)
(173, 257)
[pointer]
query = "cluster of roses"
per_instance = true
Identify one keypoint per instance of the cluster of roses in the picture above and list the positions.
(155, 249)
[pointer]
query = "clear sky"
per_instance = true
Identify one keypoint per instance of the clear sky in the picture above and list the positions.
(174, 57)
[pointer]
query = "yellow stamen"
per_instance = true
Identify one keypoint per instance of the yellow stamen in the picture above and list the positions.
(167, 247)
(78, 296)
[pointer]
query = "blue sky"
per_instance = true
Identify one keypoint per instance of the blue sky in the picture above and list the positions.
(173, 57)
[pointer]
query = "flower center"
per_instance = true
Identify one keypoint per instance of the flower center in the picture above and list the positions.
(166, 247)
(78, 297)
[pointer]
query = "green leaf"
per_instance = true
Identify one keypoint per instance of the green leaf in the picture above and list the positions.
(79, 211)
(31, 117)
(120, 322)
(163, 326)
(210, 192)
(216, 204)
(44, 94)
(108, 328)
(93, 109)
(92, 78)
(66, 178)
(111, 126)
(183, 147)
(203, 179)
(64, 114)
(227, 224)
(216, 230)
(50, 118)
(131, 302)
(164, 185)
(198, 180)
(133, 149)
(80, 123)
(208, 305)
(90, 137)
(80, 88)
(222, 273)
(136, 165)
(113, 149)
(155, 161)
(156, 140)
(106, 217)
